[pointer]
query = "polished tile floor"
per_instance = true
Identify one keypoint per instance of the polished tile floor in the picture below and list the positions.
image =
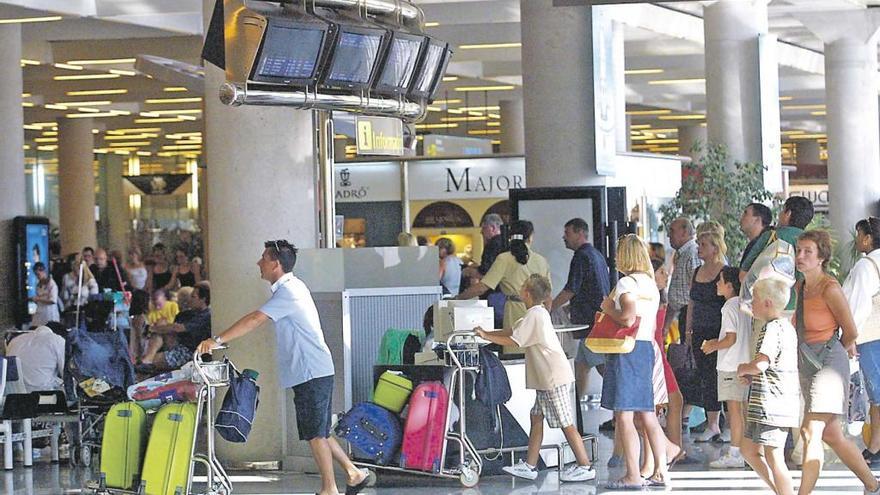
(693, 478)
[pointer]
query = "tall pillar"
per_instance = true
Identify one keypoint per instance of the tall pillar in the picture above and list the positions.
(688, 136)
(568, 92)
(118, 220)
(76, 184)
(261, 186)
(852, 114)
(618, 67)
(512, 130)
(12, 186)
(742, 95)
(808, 153)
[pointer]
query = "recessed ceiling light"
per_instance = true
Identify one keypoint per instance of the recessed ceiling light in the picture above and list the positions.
(26, 61)
(450, 78)
(431, 24)
(648, 112)
(803, 107)
(174, 89)
(505, 87)
(23, 20)
(437, 126)
(682, 117)
(103, 61)
(93, 92)
(158, 101)
(636, 72)
(480, 46)
(123, 72)
(695, 80)
(158, 120)
(89, 103)
(80, 77)
(67, 66)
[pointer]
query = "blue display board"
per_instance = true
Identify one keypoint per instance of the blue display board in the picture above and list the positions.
(31, 238)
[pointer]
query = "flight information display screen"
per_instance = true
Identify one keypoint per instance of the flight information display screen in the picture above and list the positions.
(354, 57)
(429, 68)
(290, 52)
(401, 63)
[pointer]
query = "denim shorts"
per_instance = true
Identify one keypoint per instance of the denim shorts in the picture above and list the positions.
(314, 404)
(869, 361)
(761, 434)
(587, 357)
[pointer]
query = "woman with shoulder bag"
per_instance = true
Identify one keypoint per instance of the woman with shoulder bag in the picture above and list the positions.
(826, 334)
(627, 387)
(862, 291)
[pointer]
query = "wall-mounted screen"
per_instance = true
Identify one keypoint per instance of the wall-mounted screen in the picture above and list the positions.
(400, 64)
(290, 53)
(430, 70)
(354, 58)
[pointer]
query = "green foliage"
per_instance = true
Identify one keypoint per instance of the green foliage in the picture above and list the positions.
(711, 191)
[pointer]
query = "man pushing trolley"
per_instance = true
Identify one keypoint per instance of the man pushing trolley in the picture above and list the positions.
(304, 361)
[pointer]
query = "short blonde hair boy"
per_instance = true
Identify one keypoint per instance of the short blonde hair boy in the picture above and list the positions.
(632, 255)
(774, 290)
(538, 286)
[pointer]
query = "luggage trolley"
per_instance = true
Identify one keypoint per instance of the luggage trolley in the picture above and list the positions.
(212, 375)
(462, 356)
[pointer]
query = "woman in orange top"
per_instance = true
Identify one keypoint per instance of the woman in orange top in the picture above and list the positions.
(825, 389)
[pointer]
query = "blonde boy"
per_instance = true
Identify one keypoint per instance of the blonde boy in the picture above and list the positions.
(775, 390)
(550, 375)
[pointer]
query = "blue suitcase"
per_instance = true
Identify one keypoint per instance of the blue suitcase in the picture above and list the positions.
(374, 433)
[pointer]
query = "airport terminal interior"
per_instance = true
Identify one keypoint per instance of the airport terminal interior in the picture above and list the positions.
(404, 231)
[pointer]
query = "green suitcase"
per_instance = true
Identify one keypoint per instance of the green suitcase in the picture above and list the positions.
(169, 452)
(122, 445)
(393, 391)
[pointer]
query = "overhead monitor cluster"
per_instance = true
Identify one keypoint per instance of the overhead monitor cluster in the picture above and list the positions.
(334, 51)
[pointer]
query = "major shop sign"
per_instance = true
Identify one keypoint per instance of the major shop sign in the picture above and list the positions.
(466, 179)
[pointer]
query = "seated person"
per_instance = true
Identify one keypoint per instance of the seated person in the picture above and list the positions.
(180, 339)
(163, 310)
(40, 356)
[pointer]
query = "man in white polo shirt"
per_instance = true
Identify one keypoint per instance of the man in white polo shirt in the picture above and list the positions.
(304, 361)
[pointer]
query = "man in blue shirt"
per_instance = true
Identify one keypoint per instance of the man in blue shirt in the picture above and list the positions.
(304, 361)
(588, 284)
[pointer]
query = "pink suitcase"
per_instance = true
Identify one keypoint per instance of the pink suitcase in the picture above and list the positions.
(425, 429)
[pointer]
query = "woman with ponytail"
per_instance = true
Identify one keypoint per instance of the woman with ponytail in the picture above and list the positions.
(510, 270)
(862, 291)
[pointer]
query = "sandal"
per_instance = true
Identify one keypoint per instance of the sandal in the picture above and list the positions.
(681, 456)
(655, 483)
(355, 489)
(621, 485)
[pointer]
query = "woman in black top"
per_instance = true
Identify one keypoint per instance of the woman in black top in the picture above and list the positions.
(186, 273)
(159, 276)
(704, 323)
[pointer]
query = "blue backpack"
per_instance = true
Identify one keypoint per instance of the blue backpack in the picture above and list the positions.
(239, 407)
(492, 387)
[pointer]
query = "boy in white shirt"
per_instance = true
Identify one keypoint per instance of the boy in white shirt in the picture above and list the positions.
(550, 375)
(733, 350)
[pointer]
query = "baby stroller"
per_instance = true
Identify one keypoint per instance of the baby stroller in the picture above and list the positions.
(98, 371)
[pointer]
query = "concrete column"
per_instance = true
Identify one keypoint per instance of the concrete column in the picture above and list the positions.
(512, 130)
(852, 114)
(742, 110)
(76, 184)
(564, 142)
(12, 186)
(118, 221)
(618, 67)
(688, 136)
(808, 153)
(248, 205)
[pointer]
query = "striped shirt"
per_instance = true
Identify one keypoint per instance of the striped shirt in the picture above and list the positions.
(684, 264)
(774, 396)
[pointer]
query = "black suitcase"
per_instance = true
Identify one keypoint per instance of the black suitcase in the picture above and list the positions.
(374, 433)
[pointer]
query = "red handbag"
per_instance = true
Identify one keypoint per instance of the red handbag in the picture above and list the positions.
(607, 337)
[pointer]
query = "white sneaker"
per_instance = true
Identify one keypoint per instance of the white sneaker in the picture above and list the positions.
(708, 436)
(728, 461)
(576, 472)
(521, 470)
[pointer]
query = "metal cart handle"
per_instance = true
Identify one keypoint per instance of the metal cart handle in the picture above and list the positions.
(197, 361)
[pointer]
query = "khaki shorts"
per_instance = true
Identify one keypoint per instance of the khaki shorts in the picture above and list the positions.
(730, 387)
